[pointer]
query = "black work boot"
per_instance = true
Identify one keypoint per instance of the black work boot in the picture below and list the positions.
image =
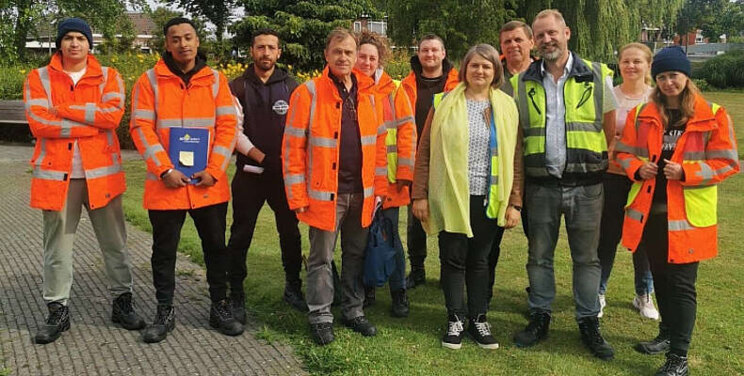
(221, 318)
(536, 330)
(417, 277)
(293, 295)
(322, 333)
(165, 321)
(480, 330)
(369, 296)
(123, 313)
(676, 365)
(57, 322)
(237, 305)
(592, 338)
(657, 345)
(400, 306)
(361, 325)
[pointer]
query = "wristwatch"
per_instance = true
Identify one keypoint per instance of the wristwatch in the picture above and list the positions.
(164, 174)
(517, 208)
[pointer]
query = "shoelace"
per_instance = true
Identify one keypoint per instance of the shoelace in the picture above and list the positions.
(672, 363)
(223, 309)
(125, 303)
(593, 332)
(56, 316)
(163, 315)
(455, 328)
(483, 328)
(535, 326)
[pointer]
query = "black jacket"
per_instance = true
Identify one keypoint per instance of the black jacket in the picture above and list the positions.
(265, 106)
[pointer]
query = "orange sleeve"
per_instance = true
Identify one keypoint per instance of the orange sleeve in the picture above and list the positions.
(406, 141)
(142, 128)
(294, 148)
(225, 129)
(721, 156)
(626, 151)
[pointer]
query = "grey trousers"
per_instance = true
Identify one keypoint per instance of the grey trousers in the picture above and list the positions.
(582, 208)
(319, 294)
(59, 235)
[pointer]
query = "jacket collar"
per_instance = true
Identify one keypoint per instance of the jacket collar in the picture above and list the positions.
(92, 68)
(161, 69)
(364, 84)
(703, 118)
(579, 70)
(417, 69)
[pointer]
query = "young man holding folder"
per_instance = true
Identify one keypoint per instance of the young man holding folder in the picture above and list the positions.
(177, 102)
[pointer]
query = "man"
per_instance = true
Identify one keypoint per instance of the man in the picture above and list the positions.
(567, 117)
(334, 170)
(263, 91)
(181, 91)
(431, 73)
(73, 106)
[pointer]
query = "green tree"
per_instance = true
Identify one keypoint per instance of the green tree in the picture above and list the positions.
(216, 11)
(700, 14)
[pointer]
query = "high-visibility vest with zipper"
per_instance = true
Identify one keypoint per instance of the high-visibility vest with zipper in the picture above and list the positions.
(400, 140)
(586, 145)
(87, 113)
(707, 152)
(311, 146)
(161, 101)
(409, 85)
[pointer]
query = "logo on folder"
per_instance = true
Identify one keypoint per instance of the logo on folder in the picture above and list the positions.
(189, 140)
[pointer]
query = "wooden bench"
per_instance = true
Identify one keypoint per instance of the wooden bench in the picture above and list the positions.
(12, 112)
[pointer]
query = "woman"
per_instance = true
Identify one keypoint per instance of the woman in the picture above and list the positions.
(676, 149)
(401, 149)
(462, 187)
(634, 60)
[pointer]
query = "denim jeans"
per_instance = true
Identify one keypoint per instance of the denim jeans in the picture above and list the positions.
(582, 208)
(398, 279)
(616, 188)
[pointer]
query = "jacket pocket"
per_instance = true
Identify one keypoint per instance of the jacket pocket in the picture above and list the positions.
(701, 205)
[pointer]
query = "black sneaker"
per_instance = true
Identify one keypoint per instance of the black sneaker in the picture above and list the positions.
(400, 306)
(536, 330)
(360, 325)
(123, 313)
(165, 321)
(417, 277)
(293, 295)
(57, 322)
(592, 338)
(480, 330)
(455, 330)
(221, 318)
(675, 365)
(237, 306)
(369, 296)
(322, 333)
(658, 345)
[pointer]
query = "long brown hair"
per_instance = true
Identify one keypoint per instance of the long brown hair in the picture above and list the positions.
(687, 103)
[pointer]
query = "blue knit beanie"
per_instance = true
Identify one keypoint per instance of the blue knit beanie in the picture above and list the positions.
(671, 58)
(74, 24)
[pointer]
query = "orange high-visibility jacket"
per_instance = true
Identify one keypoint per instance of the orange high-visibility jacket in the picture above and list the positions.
(400, 141)
(87, 112)
(161, 101)
(310, 150)
(707, 152)
(409, 84)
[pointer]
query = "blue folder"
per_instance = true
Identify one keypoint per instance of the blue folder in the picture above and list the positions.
(189, 145)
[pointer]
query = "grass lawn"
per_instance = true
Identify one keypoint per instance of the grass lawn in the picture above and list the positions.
(412, 345)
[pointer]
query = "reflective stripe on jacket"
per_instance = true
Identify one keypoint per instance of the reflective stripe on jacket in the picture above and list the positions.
(160, 101)
(707, 152)
(586, 145)
(87, 112)
(311, 146)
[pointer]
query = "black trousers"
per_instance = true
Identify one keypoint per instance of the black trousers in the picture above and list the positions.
(166, 233)
(416, 242)
(250, 191)
(674, 285)
(464, 263)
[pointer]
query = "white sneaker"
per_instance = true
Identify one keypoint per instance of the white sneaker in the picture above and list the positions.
(602, 304)
(645, 305)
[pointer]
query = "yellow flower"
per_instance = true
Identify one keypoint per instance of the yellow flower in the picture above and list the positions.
(23, 71)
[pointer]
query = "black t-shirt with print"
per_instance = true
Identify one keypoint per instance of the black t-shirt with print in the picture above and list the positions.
(669, 144)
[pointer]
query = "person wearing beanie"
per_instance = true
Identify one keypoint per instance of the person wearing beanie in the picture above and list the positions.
(676, 149)
(73, 107)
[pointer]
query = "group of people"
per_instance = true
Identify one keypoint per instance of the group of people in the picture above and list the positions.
(508, 138)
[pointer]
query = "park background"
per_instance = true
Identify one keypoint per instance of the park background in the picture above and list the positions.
(411, 346)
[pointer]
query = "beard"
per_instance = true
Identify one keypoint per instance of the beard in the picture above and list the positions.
(551, 56)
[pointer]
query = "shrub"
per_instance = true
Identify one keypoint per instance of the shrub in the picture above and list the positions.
(702, 84)
(725, 71)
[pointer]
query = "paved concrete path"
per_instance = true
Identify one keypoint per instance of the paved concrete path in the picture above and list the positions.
(93, 345)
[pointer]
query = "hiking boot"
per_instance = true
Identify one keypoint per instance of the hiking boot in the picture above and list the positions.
(417, 277)
(322, 333)
(237, 306)
(165, 321)
(536, 330)
(452, 338)
(221, 318)
(675, 365)
(645, 306)
(369, 296)
(602, 305)
(360, 325)
(57, 322)
(293, 295)
(657, 345)
(400, 306)
(480, 330)
(592, 338)
(123, 313)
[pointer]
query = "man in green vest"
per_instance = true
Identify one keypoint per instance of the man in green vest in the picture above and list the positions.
(567, 113)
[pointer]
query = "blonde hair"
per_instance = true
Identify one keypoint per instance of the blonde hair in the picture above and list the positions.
(686, 107)
(646, 54)
(489, 53)
(550, 12)
(377, 40)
